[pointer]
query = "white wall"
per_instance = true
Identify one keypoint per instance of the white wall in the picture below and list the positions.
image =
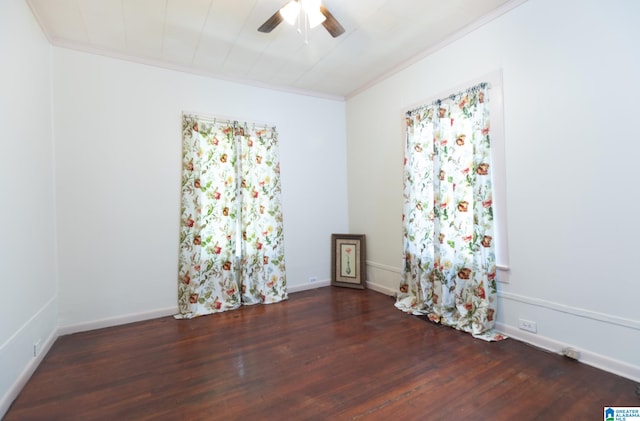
(118, 160)
(571, 86)
(570, 83)
(28, 286)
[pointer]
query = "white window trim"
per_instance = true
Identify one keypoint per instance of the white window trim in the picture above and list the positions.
(499, 173)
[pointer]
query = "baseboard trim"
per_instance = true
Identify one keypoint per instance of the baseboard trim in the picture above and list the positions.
(327, 283)
(587, 357)
(384, 267)
(311, 285)
(23, 378)
(381, 289)
(116, 321)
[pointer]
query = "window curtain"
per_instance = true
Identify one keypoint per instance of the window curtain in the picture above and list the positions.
(231, 229)
(449, 268)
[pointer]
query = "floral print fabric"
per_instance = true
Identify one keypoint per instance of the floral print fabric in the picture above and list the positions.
(449, 261)
(231, 231)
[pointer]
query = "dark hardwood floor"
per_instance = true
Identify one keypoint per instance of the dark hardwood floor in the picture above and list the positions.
(330, 353)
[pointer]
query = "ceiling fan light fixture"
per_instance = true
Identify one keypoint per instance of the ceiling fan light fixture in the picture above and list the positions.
(290, 12)
(315, 18)
(315, 13)
(310, 6)
(312, 10)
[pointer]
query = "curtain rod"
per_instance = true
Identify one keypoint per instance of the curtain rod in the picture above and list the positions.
(227, 119)
(476, 87)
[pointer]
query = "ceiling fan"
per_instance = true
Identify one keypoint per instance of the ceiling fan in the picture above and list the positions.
(312, 11)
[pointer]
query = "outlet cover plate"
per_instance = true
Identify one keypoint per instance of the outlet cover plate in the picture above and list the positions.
(528, 325)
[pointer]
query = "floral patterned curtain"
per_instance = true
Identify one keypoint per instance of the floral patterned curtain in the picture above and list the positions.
(449, 261)
(231, 233)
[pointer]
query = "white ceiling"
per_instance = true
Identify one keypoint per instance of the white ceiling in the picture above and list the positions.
(219, 38)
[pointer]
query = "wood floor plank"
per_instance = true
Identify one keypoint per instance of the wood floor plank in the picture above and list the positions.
(330, 353)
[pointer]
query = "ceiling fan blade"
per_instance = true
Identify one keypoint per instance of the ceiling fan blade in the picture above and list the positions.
(331, 23)
(270, 24)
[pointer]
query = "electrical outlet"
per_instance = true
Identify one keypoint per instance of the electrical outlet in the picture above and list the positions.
(528, 325)
(313, 279)
(36, 348)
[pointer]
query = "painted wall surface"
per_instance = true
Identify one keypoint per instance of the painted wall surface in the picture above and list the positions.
(28, 285)
(118, 160)
(570, 77)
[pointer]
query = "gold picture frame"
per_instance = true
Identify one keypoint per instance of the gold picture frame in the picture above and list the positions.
(348, 260)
